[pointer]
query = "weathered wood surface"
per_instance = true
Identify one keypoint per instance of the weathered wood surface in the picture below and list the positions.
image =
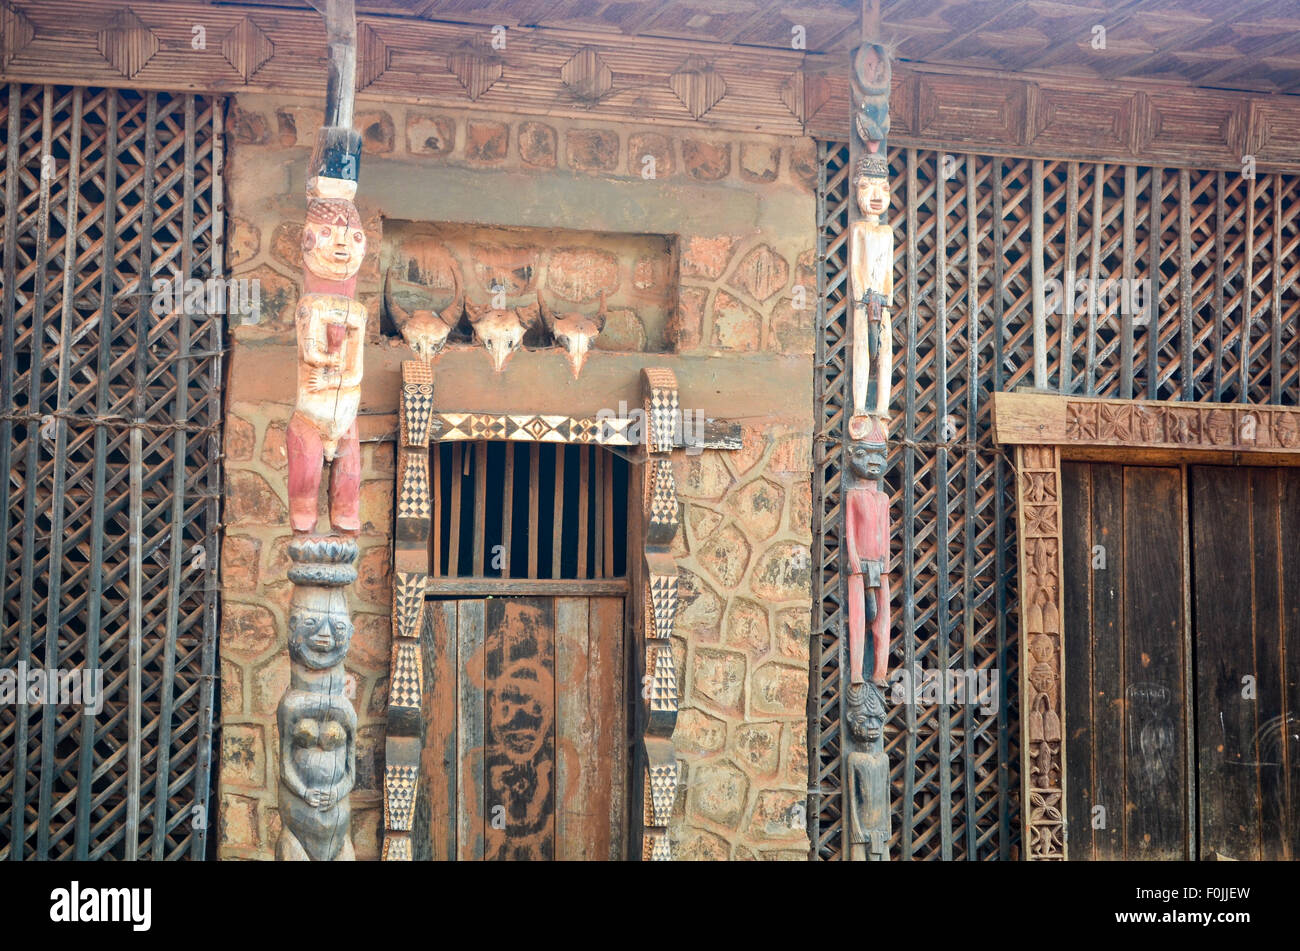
(471, 835)
(441, 752)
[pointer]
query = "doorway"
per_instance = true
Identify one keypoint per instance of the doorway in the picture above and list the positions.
(1182, 668)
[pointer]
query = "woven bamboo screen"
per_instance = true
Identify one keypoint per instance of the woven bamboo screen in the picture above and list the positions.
(110, 447)
(1216, 322)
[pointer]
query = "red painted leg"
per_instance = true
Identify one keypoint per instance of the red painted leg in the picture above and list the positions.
(880, 632)
(305, 452)
(345, 484)
(857, 626)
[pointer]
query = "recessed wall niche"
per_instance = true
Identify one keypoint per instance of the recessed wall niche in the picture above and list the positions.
(423, 263)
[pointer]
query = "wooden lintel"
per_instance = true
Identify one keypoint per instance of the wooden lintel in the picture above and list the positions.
(526, 587)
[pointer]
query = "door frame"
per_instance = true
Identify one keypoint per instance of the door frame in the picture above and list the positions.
(650, 433)
(1045, 428)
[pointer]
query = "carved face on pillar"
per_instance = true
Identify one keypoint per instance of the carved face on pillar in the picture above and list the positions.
(333, 241)
(866, 712)
(1219, 427)
(866, 460)
(1286, 429)
(871, 185)
(319, 639)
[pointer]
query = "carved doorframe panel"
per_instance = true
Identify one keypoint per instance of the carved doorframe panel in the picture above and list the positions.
(651, 606)
(1044, 429)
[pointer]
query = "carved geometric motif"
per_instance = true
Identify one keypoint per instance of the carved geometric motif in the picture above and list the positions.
(399, 797)
(16, 31)
(127, 43)
(397, 848)
(661, 513)
(408, 601)
(587, 76)
(661, 787)
(698, 85)
(372, 56)
(1205, 426)
(663, 677)
(247, 48)
(417, 402)
(406, 675)
(661, 408)
(661, 590)
(477, 71)
(599, 430)
(413, 499)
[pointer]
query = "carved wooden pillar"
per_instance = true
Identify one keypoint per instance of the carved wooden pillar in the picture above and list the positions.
(1042, 664)
(865, 505)
(406, 726)
(316, 721)
(658, 708)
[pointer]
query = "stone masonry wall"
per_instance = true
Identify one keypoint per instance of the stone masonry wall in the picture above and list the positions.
(741, 210)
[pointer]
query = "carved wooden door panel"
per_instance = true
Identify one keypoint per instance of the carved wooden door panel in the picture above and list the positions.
(526, 753)
(1246, 584)
(1126, 662)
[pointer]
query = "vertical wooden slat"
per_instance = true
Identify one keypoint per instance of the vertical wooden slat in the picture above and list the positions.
(1036, 274)
(480, 507)
(1275, 311)
(519, 729)
(94, 599)
(586, 673)
(941, 474)
(441, 753)
(1076, 522)
(534, 490)
(909, 522)
(35, 404)
(969, 527)
(177, 542)
(598, 560)
(610, 569)
(471, 816)
(508, 508)
(1126, 343)
(1156, 218)
(453, 545)
(1289, 531)
(1094, 274)
(557, 534)
(435, 536)
(1185, 305)
(584, 488)
(1067, 295)
(54, 591)
(1248, 292)
(1220, 219)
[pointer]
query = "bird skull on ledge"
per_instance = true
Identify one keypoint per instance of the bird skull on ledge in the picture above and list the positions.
(574, 332)
(419, 323)
(501, 330)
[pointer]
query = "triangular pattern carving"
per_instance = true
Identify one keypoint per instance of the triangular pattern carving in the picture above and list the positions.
(698, 85)
(247, 48)
(127, 43)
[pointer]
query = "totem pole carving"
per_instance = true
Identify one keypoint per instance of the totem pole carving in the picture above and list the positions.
(316, 721)
(866, 504)
(318, 727)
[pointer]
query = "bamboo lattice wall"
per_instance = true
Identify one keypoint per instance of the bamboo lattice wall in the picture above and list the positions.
(1220, 252)
(110, 433)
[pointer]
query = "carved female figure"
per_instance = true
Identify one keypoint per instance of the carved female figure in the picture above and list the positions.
(317, 724)
(331, 332)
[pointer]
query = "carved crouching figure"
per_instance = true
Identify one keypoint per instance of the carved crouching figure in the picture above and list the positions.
(317, 724)
(575, 332)
(331, 333)
(501, 330)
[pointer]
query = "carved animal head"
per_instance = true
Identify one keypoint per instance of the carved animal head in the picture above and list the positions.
(574, 332)
(410, 304)
(500, 330)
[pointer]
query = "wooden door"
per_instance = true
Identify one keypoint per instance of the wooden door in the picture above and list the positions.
(526, 753)
(1246, 571)
(1126, 662)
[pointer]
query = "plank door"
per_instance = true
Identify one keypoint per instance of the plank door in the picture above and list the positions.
(1126, 662)
(1246, 569)
(525, 758)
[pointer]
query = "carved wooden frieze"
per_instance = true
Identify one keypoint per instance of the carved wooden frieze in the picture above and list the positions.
(1042, 662)
(532, 427)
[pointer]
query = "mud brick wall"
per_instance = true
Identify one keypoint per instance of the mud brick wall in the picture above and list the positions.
(740, 213)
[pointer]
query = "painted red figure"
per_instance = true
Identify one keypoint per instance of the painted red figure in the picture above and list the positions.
(866, 527)
(331, 333)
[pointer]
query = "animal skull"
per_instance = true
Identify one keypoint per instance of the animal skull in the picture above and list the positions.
(500, 330)
(574, 332)
(422, 327)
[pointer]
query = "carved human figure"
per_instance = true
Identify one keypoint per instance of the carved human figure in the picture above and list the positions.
(317, 724)
(866, 531)
(871, 279)
(866, 775)
(331, 330)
